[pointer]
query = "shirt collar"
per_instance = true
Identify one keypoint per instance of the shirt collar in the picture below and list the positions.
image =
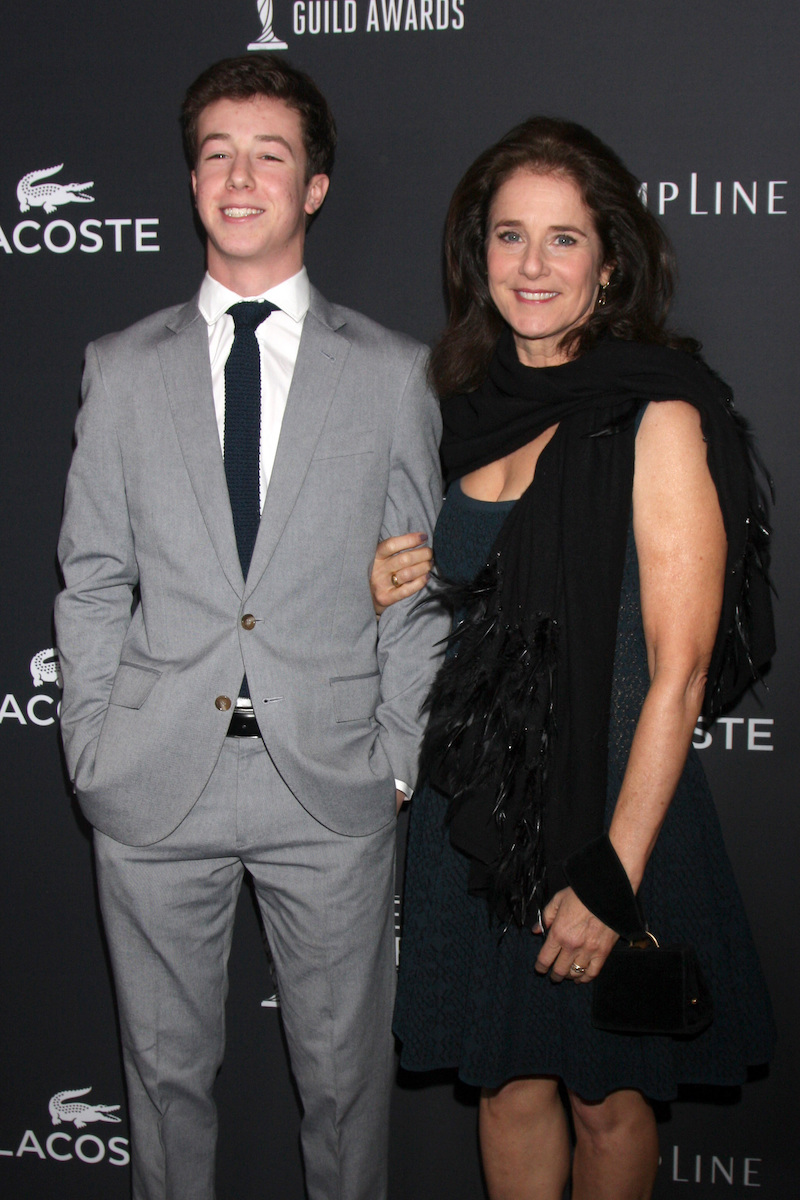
(292, 296)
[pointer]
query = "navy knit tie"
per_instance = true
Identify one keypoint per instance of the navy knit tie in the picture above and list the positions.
(243, 424)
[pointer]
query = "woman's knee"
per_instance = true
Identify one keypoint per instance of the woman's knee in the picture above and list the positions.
(621, 1114)
(521, 1101)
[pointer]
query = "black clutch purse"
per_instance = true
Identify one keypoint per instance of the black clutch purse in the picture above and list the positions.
(643, 988)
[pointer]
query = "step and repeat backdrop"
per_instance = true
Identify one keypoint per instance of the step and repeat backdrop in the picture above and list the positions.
(700, 97)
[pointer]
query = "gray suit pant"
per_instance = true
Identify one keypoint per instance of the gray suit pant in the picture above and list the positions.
(327, 904)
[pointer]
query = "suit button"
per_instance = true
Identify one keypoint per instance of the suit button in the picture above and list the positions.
(248, 621)
(223, 703)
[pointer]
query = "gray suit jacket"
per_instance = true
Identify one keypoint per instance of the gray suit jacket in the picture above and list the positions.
(149, 625)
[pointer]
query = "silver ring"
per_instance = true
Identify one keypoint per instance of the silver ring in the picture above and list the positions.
(578, 970)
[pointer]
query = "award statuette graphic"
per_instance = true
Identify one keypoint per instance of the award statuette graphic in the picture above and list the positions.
(267, 39)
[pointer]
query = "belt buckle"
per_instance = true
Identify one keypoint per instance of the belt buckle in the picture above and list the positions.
(243, 723)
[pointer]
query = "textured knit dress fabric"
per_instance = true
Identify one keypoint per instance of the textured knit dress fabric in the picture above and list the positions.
(468, 995)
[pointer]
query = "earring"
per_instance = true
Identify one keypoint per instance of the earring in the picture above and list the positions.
(601, 299)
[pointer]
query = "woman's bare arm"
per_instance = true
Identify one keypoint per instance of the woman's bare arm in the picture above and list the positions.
(681, 547)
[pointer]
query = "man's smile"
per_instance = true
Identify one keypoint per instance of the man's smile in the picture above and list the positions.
(242, 212)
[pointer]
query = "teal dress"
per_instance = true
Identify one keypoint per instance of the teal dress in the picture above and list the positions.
(468, 995)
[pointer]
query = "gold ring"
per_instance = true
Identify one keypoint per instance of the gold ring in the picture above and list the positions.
(578, 970)
(395, 580)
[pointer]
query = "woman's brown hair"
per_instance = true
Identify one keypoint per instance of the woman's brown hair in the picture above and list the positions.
(641, 286)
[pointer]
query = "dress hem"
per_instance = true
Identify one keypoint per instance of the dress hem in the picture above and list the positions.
(660, 1095)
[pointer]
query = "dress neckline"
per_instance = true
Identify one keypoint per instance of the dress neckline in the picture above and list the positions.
(473, 502)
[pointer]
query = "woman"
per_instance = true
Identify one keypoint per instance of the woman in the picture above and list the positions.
(603, 541)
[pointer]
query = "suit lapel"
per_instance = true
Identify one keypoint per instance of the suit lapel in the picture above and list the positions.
(320, 361)
(186, 370)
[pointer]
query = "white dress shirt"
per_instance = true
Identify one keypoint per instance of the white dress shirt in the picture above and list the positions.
(278, 340)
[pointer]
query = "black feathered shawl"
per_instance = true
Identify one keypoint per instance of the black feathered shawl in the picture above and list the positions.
(519, 713)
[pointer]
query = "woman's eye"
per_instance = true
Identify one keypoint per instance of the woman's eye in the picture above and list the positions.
(509, 235)
(564, 239)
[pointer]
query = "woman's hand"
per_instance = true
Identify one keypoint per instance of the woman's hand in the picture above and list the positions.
(577, 942)
(401, 568)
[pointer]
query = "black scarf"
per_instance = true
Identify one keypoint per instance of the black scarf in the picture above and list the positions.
(519, 714)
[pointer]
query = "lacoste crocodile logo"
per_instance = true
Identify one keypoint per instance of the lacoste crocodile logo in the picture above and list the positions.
(48, 196)
(45, 668)
(80, 1114)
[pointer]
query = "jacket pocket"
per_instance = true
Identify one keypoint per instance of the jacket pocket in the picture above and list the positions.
(341, 443)
(355, 697)
(132, 685)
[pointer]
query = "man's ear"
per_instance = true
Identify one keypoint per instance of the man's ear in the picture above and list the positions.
(316, 192)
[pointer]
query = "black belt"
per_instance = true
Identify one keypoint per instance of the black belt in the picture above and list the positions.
(243, 724)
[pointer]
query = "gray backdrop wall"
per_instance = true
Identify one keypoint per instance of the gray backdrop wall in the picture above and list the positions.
(701, 99)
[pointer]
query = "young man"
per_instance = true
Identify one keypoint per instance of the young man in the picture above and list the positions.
(229, 704)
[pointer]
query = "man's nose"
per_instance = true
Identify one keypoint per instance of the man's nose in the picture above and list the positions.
(240, 174)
